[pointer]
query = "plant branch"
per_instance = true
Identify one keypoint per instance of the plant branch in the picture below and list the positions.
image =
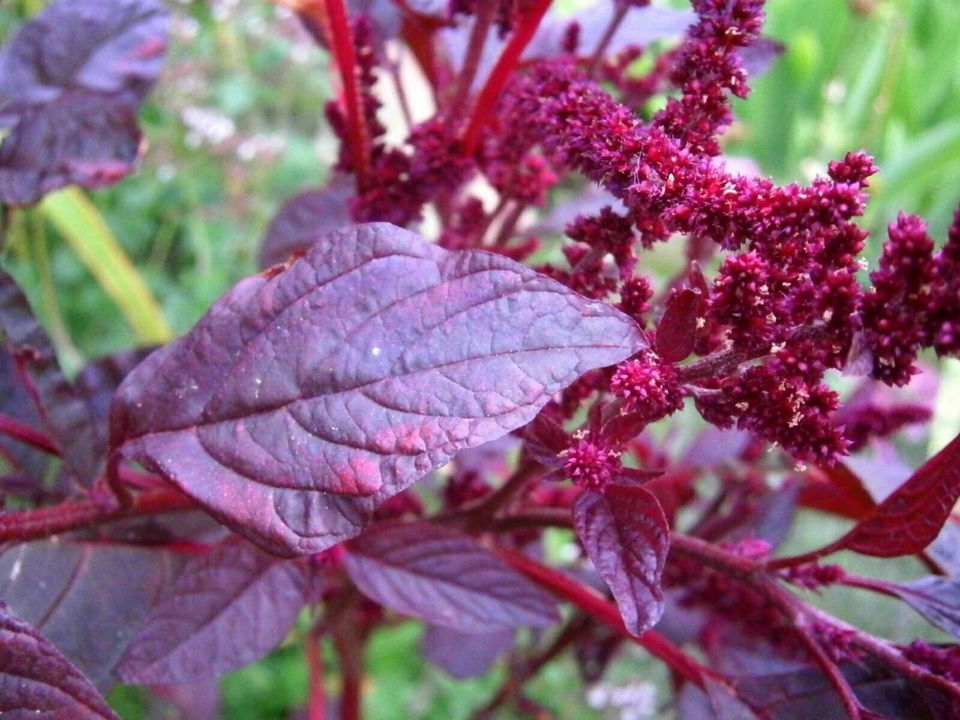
(602, 610)
(501, 74)
(481, 514)
(615, 22)
(348, 640)
(341, 42)
(519, 675)
(24, 433)
(76, 514)
(317, 702)
(483, 19)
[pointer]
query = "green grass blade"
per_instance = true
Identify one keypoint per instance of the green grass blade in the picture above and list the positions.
(79, 222)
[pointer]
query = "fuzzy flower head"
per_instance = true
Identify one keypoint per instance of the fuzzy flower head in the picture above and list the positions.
(590, 463)
(648, 385)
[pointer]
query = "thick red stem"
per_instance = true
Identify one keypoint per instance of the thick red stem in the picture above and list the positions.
(75, 514)
(500, 75)
(596, 606)
(341, 42)
(468, 73)
(317, 702)
(26, 434)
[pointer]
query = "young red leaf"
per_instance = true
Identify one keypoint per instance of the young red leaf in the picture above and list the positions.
(229, 607)
(63, 413)
(677, 330)
(36, 681)
(71, 81)
(304, 400)
(304, 218)
(912, 516)
(445, 577)
(626, 538)
(86, 598)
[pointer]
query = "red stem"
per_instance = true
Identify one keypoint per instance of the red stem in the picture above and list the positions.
(600, 609)
(803, 559)
(500, 75)
(347, 643)
(26, 434)
(75, 514)
(341, 42)
(601, 48)
(317, 703)
(478, 38)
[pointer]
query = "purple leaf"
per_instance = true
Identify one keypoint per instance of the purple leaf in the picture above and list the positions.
(36, 681)
(305, 218)
(677, 330)
(86, 598)
(97, 383)
(758, 56)
(63, 413)
(626, 538)
(641, 26)
(464, 655)
(305, 399)
(444, 577)
(25, 461)
(228, 608)
(936, 598)
(912, 516)
(879, 689)
(71, 81)
(190, 701)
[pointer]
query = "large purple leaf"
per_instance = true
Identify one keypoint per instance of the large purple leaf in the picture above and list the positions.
(37, 682)
(86, 598)
(62, 411)
(626, 537)
(306, 217)
(229, 607)
(70, 84)
(305, 399)
(445, 577)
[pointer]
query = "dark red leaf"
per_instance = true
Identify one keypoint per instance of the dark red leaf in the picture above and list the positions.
(626, 538)
(677, 330)
(63, 413)
(71, 81)
(912, 516)
(86, 598)
(36, 681)
(936, 598)
(445, 577)
(464, 655)
(305, 218)
(303, 401)
(228, 608)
